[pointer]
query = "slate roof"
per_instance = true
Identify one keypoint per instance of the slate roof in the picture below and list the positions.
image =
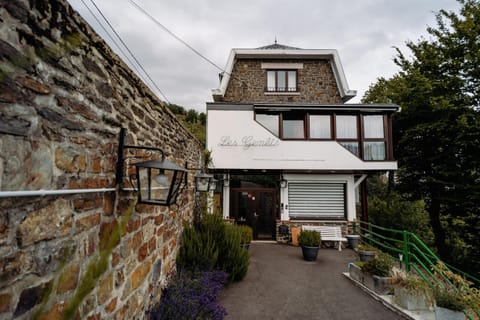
(277, 46)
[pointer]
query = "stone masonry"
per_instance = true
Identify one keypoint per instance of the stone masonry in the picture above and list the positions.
(64, 95)
(316, 83)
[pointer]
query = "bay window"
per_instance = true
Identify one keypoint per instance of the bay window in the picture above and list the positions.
(366, 136)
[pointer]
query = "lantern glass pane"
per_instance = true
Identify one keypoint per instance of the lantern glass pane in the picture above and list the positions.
(160, 182)
(202, 183)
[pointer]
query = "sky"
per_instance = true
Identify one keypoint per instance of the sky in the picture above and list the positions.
(364, 32)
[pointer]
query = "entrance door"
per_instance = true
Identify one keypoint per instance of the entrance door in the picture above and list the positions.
(256, 208)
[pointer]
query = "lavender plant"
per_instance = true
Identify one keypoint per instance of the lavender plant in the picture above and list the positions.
(192, 295)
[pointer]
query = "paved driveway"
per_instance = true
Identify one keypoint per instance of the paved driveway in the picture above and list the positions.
(281, 285)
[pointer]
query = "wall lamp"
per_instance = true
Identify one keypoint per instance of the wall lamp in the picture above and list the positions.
(205, 182)
(158, 181)
(283, 183)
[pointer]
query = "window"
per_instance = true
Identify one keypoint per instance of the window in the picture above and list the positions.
(270, 121)
(347, 133)
(320, 127)
(281, 81)
(374, 138)
(293, 126)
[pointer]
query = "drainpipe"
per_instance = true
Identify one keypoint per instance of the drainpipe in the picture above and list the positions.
(34, 193)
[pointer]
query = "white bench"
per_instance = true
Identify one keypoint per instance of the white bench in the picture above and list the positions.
(329, 233)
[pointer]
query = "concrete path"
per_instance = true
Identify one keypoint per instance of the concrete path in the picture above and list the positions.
(281, 285)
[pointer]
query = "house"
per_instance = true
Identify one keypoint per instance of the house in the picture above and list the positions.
(287, 147)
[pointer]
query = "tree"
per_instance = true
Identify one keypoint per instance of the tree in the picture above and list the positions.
(437, 133)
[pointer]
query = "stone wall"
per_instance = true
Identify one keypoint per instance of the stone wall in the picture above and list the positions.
(64, 95)
(316, 83)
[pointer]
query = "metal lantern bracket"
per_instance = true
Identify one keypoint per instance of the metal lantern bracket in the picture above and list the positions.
(148, 194)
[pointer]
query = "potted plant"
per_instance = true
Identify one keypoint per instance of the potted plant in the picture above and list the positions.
(353, 240)
(380, 268)
(449, 303)
(247, 235)
(310, 241)
(366, 252)
(411, 292)
(454, 295)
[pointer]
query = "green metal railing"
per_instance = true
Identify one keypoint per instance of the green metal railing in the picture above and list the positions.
(411, 252)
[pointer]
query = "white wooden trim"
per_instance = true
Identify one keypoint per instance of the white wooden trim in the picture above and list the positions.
(286, 66)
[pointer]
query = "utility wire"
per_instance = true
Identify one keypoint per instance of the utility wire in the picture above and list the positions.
(113, 40)
(128, 49)
(177, 37)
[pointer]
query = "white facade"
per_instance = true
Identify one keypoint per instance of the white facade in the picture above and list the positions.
(237, 141)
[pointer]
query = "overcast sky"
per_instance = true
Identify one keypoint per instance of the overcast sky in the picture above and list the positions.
(364, 32)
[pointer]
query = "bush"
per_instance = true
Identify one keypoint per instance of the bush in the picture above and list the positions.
(454, 292)
(216, 245)
(233, 259)
(191, 295)
(380, 266)
(309, 238)
(247, 234)
(197, 252)
(448, 298)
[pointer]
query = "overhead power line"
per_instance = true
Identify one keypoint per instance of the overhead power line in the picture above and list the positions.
(113, 40)
(129, 51)
(158, 23)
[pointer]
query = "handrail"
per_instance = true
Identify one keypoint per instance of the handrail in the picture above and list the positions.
(414, 254)
(414, 250)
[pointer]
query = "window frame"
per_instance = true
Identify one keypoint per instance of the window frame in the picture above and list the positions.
(276, 88)
(385, 139)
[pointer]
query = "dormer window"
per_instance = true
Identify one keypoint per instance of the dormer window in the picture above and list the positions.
(281, 81)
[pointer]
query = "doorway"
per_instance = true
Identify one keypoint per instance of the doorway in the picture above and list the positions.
(257, 208)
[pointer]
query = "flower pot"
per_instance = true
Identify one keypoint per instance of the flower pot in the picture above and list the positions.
(353, 240)
(382, 285)
(310, 253)
(447, 314)
(366, 255)
(412, 300)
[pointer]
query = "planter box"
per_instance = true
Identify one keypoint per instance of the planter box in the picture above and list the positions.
(447, 314)
(412, 300)
(380, 285)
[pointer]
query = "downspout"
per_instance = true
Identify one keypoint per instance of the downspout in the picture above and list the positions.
(34, 193)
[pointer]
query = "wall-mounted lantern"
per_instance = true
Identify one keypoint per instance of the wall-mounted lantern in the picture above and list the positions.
(159, 181)
(205, 182)
(283, 183)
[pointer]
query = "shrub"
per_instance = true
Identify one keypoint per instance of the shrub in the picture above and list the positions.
(197, 253)
(454, 292)
(215, 245)
(366, 247)
(232, 258)
(380, 266)
(309, 238)
(247, 234)
(191, 295)
(448, 298)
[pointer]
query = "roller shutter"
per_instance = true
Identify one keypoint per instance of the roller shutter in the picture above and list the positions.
(316, 200)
